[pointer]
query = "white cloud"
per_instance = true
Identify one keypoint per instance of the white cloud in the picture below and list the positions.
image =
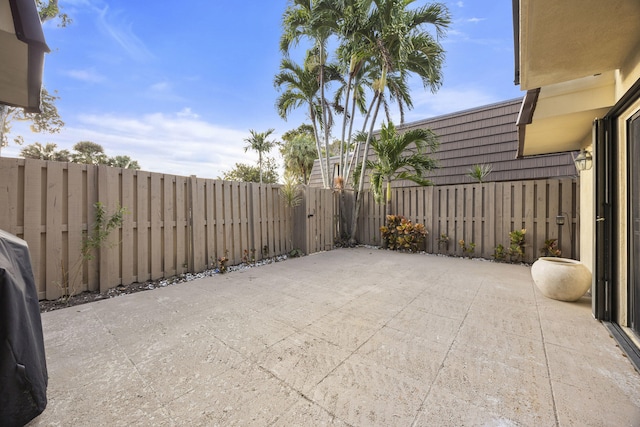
(90, 76)
(160, 87)
(187, 113)
(163, 91)
(460, 4)
(178, 143)
(475, 19)
(122, 33)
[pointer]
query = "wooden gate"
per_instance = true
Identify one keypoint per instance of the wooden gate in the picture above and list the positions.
(315, 221)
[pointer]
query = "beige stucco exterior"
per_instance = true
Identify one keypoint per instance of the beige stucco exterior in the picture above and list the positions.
(582, 56)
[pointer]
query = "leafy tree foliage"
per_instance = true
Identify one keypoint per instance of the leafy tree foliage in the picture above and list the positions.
(259, 143)
(299, 152)
(124, 162)
(395, 161)
(48, 121)
(84, 152)
(248, 173)
(45, 152)
(89, 153)
(49, 10)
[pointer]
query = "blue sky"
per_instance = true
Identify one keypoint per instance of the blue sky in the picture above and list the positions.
(178, 85)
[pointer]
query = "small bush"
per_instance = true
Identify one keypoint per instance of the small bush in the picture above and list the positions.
(222, 263)
(550, 248)
(401, 234)
(516, 248)
(467, 248)
(499, 253)
(443, 241)
(296, 253)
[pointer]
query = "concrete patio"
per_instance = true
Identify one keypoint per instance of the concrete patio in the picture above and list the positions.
(358, 337)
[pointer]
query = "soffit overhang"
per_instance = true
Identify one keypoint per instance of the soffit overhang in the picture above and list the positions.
(566, 40)
(568, 58)
(22, 49)
(558, 118)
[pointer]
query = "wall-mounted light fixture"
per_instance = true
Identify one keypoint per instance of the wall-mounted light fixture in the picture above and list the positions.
(560, 219)
(583, 161)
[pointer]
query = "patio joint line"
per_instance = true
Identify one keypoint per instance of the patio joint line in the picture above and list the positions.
(161, 405)
(435, 378)
(300, 393)
(385, 325)
(546, 359)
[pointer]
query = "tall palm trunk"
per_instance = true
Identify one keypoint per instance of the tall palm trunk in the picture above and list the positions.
(325, 118)
(318, 146)
(343, 148)
(356, 154)
(363, 170)
(388, 196)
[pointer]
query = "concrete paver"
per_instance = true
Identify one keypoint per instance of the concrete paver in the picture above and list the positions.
(351, 337)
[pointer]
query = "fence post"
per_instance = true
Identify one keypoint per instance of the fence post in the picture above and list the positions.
(190, 237)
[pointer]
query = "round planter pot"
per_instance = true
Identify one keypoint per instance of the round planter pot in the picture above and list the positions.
(561, 278)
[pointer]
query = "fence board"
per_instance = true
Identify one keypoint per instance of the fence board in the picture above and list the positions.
(528, 213)
(210, 222)
(127, 202)
(33, 221)
(168, 227)
(89, 214)
(75, 261)
(109, 253)
(9, 195)
(142, 226)
(54, 230)
(182, 224)
(219, 221)
(198, 224)
(566, 199)
(489, 209)
(542, 223)
(467, 212)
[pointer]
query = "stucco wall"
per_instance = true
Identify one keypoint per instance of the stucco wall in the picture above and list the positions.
(587, 218)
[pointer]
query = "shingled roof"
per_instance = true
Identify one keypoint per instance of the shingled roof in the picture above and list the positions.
(483, 135)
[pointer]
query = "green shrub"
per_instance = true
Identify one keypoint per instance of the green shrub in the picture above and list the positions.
(401, 234)
(516, 247)
(499, 253)
(550, 248)
(443, 241)
(467, 248)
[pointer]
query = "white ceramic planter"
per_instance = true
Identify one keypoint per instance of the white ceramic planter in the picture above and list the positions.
(561, 278)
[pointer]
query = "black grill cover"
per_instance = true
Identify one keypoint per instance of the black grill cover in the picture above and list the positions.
(23, 368)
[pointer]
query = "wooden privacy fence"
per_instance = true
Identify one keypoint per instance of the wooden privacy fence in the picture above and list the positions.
(485, 214)
(172, 225)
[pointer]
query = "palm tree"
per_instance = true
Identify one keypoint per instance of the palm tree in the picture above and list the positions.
(315, 20)
(258, 142)
(397, 43)
(299, 154)
(479, 172)
(301, 87)
(394, 161)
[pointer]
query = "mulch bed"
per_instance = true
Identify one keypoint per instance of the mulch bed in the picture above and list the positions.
(91, 296)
